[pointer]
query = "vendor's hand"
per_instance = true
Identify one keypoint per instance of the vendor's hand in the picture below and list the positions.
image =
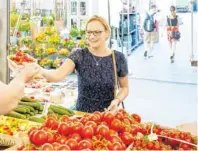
(29, 71)
(113, 107)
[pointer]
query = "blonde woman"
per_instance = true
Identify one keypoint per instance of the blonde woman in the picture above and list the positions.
(94, 66)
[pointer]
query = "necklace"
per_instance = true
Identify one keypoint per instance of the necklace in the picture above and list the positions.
(97, 62)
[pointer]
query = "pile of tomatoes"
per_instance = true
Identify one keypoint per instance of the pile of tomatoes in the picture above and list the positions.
(99, 131)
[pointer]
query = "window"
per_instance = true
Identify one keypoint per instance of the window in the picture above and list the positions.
(74, 8)
(74, 23)
(82, 8)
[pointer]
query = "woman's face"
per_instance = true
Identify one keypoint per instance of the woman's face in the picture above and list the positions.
(96, 34)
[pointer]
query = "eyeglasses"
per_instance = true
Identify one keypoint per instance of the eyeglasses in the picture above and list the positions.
(95, 33)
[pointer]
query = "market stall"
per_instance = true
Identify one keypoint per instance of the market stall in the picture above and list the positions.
(46, 119)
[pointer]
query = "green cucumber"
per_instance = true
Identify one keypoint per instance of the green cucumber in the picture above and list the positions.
(60, 111)
(37, 119)
(70, 111)
(35, 104)
(20, 110)
(29, 107)
(16, 115)
(41, 108)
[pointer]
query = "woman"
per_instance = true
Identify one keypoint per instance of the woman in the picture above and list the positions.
(94, 66)
(14, 91)
(172, 24)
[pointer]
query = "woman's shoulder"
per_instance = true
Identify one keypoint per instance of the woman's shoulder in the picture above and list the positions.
(119, 54)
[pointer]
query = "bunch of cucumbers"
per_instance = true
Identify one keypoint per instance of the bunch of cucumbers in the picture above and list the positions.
(27, 109)
(60, 110)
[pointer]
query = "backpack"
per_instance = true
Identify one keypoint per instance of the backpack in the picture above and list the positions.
(149, 23)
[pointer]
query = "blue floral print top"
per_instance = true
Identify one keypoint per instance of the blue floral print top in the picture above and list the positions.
(96, 79)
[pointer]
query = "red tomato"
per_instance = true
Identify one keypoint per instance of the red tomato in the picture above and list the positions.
(149, 145)
(116, 125)
(83, 120)
(84, 144)
(64, 147)
(77, 128)
(47, 146)
(108, 117)
(64, 129)
(98, 113)
(95, 118)
(72, 143)
(31, 134)
(31, 129)
(50, 138)
(61, 139)
(21, 147)
(112, 132)
(125, 129)
(115, 146)
(103, 131)
(136, 117)
(124, 147)
(119, 116)
(184, 146)
(56, 135)
(40, 137)
(157, 130)
(52, 116)
(76, 137)
(64, 118)
(114, 139)
(51, 123)
(55, 145)
(157, 147)
(87, 132)
(122, 111)
(92, 124)
(127, 138)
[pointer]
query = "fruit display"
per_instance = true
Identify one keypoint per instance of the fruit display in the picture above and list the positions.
(21, 58)
(107, 131)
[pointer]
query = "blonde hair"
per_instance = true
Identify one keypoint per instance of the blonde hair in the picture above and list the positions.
(173, 11)
(101, 20)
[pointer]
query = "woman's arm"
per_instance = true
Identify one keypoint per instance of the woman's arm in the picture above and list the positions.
(60, 73)
(124, 89)
(122, 94)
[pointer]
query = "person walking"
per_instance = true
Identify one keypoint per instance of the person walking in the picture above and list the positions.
(172, 23)
(150, 30)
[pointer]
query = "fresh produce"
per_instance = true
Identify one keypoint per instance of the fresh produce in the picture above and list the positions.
(103, 131)
(20, 58)
(11, 126)
(61, 110)
(27, 108)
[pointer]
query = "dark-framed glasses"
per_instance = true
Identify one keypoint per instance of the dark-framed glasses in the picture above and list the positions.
(95, 32)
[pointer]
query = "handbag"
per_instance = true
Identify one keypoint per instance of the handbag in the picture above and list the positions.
(117, 86)
(175, 34)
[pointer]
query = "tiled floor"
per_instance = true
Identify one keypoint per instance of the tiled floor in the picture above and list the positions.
(160, 91)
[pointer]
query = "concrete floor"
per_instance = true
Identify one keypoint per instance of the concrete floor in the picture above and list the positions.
(160, 91)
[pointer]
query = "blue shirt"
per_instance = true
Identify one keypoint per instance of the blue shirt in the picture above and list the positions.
(96, 82)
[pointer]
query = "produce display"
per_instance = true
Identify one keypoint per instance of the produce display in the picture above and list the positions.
(107, 131)
(28, 107)
(10, 126)
(21, 58)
